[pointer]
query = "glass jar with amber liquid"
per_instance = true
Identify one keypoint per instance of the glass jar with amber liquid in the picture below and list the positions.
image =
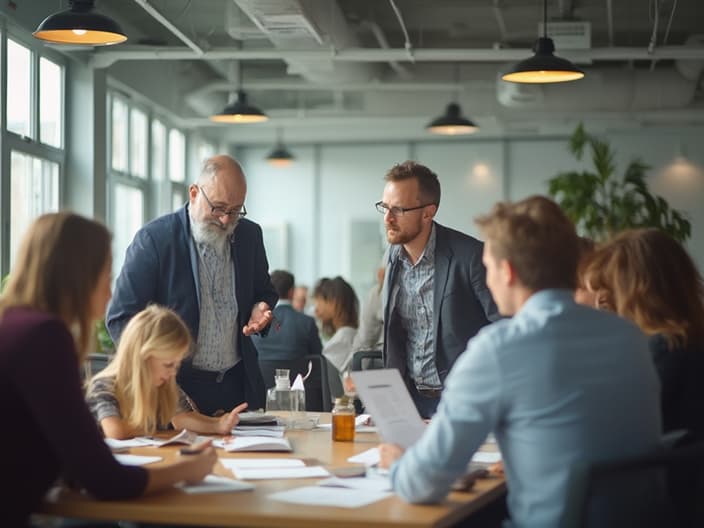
(343, 420)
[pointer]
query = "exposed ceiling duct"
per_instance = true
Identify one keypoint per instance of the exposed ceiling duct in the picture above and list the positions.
(305, 25)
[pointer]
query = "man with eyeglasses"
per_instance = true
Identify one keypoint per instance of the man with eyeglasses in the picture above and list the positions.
(207, 263)
(435, 294)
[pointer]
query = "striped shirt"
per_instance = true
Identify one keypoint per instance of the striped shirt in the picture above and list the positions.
(216, 347)
(415, 284)
(103, 403)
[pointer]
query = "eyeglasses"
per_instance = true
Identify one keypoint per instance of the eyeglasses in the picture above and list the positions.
(396, 211)
(218, 211)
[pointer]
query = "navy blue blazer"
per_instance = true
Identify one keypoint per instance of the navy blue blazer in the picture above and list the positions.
(462, 302)
(292, 335)
(158, 270)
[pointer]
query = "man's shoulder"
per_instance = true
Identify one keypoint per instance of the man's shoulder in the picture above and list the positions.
(289, 312)
(167, 222)
(458, 241)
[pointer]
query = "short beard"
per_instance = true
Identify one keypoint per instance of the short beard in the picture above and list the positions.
(212, 234)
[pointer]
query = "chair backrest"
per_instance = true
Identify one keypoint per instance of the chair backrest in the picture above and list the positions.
(367, 360)
(654, 490)
(315, 395)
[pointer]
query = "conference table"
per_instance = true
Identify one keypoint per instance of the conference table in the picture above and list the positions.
(255, 508)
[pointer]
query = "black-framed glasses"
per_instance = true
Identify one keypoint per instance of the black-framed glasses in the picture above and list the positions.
(218, 211)
(396, 211)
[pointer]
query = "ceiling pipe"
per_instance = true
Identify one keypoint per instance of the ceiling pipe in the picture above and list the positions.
(168, 25)
(610, 20)
(103, 58)
(381, 39)
(499, 16)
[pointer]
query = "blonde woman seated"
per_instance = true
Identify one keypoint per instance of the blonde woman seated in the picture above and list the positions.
(648, 277)
(137, 393)
(59, 286)
(337, 309)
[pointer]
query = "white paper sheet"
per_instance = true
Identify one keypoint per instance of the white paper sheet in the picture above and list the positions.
(273, 431)
(249, 463)
(281, 473)
(136, 460)
(385, 395)
(130, 442)
(370, 457)
(370, 483)
(487, 457)
(216, 484)
(254, 443)
(337, 497)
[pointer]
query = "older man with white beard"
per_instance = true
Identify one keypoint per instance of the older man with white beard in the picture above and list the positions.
(208, 263)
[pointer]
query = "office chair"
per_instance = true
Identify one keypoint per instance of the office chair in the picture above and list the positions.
(660, 489)
(367, 359)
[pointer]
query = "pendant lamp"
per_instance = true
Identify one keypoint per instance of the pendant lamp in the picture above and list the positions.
(452, 123)
(80, 25)
(240, 111)
(543, 66)
(280, 156)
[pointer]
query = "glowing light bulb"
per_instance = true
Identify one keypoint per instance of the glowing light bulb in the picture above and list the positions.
(79, 32)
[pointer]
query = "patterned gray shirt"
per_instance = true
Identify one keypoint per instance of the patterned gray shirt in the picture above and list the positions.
(216, 347)
(103, 403)
(414, 302)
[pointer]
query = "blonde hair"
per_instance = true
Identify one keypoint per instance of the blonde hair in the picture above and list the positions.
(651, 280)
(537, 238)
(58, 266)
(154, 332)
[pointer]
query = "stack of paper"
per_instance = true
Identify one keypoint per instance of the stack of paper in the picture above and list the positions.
(253, 443)
(273, 431)
(370, 457)
(272, 468)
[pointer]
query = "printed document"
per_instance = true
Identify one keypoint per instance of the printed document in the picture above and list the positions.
(386, 398)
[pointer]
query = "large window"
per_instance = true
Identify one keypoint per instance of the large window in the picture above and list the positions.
(32, 141)
(34, 190)
(177, 156)
(19, 89)
(128, 218)
(51, 96)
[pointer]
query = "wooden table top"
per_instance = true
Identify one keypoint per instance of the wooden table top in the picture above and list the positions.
(254, 508)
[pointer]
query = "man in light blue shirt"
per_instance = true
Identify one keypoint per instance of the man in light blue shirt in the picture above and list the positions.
(558, 383)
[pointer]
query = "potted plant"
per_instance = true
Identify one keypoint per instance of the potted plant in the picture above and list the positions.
(601, 203)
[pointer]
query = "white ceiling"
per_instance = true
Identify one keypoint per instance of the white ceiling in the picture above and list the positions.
(343, 69)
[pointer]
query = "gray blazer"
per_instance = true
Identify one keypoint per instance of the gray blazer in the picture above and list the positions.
(462, 302)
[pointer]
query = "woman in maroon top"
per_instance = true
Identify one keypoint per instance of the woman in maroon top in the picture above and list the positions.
(59, 285)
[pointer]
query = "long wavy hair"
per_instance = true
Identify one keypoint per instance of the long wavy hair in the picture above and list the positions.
(154, 332)
(57, 269)
(650, 279)
(338, 292)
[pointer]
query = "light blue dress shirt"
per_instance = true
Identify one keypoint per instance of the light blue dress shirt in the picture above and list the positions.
(557, 384)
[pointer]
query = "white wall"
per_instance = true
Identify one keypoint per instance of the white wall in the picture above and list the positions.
(332, 185)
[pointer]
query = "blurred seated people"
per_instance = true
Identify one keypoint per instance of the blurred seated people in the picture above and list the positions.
(336, 307)
(370, 335)
(650, 279)
(299, 299)
(137, 394)
(558, 383)
(58, 288)
(293, 334)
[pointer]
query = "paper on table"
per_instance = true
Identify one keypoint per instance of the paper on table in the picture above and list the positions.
(274, 431)
(215, 484)
(136, 460)
(337, 497)
(249, 463)
(370, 457)
(130, 442)
(281, 473)
(487, 457)
(254, 443)
(385, 395)
(376, 483)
